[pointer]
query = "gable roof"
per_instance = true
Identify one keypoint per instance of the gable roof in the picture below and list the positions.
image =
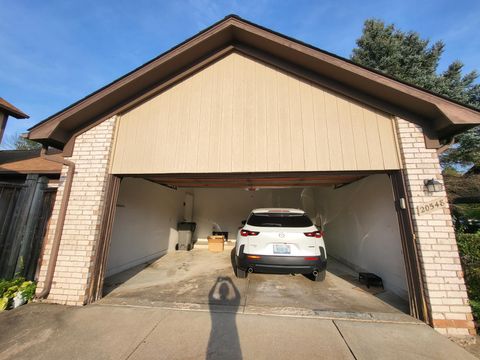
(442, 117)
(27, 162)
(11, 110)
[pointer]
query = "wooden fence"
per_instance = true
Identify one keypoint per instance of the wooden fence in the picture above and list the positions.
(25, 210)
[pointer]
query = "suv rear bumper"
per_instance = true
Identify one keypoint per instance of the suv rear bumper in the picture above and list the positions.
(282, 264)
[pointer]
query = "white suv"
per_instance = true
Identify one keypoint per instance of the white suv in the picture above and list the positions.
(280, 241)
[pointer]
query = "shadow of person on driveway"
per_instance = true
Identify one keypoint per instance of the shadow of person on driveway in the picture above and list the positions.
(224, 342)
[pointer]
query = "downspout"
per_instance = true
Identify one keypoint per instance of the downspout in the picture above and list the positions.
(52, 262)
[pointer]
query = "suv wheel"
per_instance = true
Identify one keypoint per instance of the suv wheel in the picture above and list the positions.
(321, 276)
(241, 274)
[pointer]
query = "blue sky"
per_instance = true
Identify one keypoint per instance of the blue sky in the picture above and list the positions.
(56, 52)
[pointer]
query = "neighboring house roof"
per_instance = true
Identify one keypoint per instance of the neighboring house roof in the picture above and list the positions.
(441, 117)
(27, 162)
(463, 189)
(474, 170)
(11, 110)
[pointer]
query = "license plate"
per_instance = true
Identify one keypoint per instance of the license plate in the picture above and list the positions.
(281, 249)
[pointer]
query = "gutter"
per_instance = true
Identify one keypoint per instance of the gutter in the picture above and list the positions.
(52, 262)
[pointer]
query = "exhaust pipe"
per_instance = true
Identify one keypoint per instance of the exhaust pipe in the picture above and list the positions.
(315, 273)
(250, 270)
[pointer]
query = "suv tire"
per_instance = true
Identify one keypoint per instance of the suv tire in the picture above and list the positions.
(321, 276)
(241, 274)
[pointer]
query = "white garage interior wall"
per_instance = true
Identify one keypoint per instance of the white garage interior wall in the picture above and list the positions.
(359, 220)
(145, 223)
(224, 209)
(362, 231)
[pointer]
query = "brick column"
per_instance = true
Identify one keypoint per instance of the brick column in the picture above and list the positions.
(91, 155)
(445, 289)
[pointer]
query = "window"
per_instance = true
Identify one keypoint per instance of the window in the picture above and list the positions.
(279, 220)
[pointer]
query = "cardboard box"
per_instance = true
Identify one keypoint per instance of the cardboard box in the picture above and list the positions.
(216, 243)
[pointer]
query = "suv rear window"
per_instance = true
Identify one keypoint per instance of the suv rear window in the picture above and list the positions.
(279, 220)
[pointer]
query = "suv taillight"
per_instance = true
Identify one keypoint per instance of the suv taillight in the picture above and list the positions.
(316, 234)
(248, 233)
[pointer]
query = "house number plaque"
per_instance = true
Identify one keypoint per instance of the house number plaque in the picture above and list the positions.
(431, 206)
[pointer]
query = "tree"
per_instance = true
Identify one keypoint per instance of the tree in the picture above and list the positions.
(18, 142)
(22, 143)
(466, 151)
(408, 57)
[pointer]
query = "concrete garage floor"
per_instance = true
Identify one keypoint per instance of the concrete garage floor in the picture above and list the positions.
(201, 280)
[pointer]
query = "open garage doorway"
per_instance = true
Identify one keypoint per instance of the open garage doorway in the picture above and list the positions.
(356, 212)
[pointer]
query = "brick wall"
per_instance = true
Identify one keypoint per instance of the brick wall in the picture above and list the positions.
(91, 156)
(442, 273)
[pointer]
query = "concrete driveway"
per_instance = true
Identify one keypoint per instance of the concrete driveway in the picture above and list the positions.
(192, 280)
(189, 305)
(42, 331)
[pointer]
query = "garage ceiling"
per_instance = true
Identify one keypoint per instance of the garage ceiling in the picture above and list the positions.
(253, 180)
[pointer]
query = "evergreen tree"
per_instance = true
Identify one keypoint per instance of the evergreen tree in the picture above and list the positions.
(17, 142)
(408, 57)
(22, 143)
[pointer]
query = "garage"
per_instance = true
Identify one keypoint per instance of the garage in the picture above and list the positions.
(356, 213)
(263, 136)
(240, 117)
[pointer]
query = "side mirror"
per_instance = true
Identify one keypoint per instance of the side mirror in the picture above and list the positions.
(244, 222)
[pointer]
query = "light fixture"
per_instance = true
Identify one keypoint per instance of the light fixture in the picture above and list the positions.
(433, 185)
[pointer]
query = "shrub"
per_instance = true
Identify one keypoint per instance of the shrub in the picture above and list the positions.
(11, 288)
(469, 247)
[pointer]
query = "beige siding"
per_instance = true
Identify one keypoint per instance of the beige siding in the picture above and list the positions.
(240, 115)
